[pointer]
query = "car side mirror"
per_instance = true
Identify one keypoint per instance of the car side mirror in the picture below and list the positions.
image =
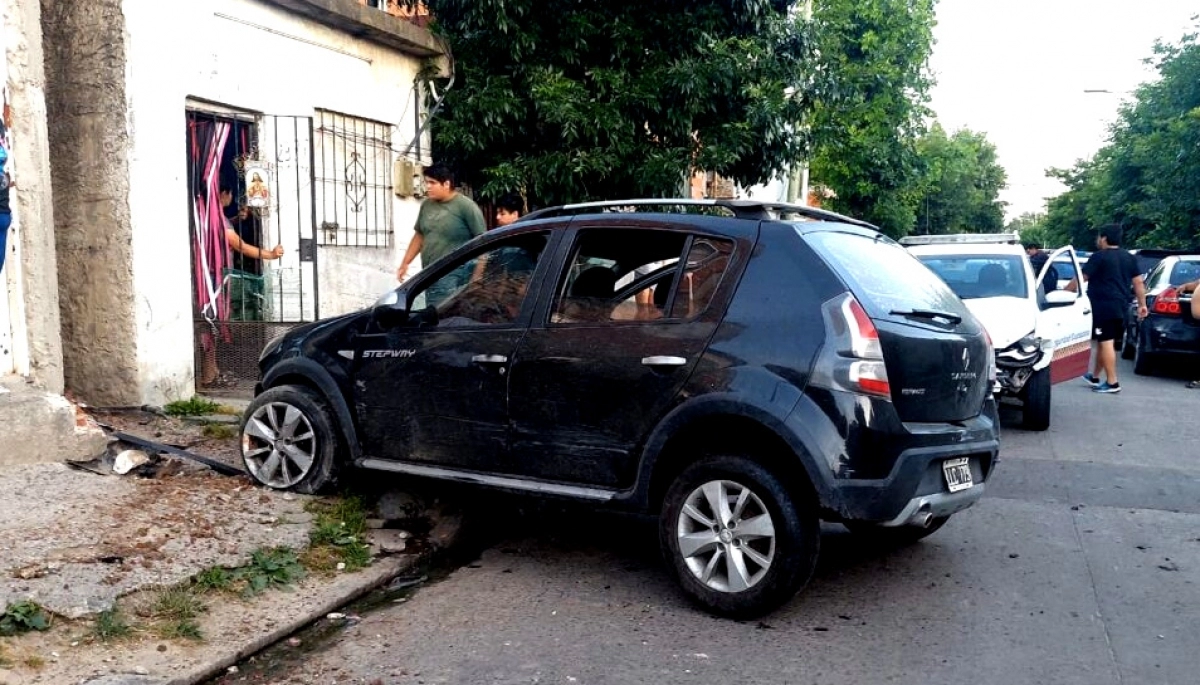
(1060, 298)
(391, 311)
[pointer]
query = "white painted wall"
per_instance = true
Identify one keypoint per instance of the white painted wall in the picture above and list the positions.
(222, 50)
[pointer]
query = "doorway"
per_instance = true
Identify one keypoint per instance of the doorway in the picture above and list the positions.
(253, 251)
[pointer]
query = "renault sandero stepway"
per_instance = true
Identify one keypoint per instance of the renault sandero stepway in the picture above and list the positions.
(741, 370)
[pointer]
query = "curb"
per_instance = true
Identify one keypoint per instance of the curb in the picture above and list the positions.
(372, 578)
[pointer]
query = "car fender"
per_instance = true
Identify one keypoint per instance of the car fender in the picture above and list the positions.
(324, 382)
(771, 415)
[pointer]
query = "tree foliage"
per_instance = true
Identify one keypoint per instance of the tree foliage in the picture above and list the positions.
(870, 101)
(1148, 174)
(1031, 226)
(961, 183)
(570, 101)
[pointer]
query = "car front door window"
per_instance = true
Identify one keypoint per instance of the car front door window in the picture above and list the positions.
(486, 289)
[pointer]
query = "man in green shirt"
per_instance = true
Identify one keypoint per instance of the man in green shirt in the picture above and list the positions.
(447, 220)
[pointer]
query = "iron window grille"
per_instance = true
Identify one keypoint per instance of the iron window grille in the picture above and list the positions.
(354, 181)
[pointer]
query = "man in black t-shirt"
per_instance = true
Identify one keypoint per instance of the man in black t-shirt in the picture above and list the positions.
(1038, 259)
(1110, 273)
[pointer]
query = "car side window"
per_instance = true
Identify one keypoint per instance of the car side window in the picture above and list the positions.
(707, 261)
(618, 275)
(488, 288)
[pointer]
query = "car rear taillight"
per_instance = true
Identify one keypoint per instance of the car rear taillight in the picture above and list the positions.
(867, 371)
(1167, 303)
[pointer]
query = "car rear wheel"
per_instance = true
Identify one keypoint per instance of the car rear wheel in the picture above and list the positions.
(1143, 361)
(1128, 346)
(897, 536)
(289, 441)
(1036, 394)
(739, 541)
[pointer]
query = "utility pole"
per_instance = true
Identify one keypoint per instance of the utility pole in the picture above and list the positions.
(798, 175)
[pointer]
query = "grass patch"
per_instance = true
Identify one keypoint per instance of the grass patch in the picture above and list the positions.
(338, 535)
(22, 617)
(111, 625)
(175, 610)
(268, 568)
(219, 431)
(197, 406)
(214, 579)
(33, 662)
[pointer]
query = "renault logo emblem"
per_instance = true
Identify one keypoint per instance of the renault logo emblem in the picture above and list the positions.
(966, 359)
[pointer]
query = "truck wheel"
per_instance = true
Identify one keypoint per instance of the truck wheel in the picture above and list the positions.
(740, 542)
(1036, 393)
(898, 536)
(289, 441)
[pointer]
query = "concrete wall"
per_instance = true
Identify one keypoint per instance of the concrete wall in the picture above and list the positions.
(31, 272)
(89, 148)
(255, 57)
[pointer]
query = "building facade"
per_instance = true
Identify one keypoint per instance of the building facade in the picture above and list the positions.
(309, 112)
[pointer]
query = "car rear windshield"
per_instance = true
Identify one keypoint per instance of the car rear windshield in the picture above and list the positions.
(973, 277)
(884, 276)
(1185, 271)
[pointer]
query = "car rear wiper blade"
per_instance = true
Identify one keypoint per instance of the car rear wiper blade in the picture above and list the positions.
(928, 314)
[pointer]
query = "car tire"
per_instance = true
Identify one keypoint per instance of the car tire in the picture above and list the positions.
(1035, 415)
(756, 554)
(1143, 361)
(1128, 346)
(896, 536)
(289, 440)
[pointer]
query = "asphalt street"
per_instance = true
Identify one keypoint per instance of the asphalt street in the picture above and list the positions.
(1082, 565)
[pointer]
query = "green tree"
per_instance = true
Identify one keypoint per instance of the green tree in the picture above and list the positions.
(1032, 227)
(870, 101)
(961, 184)
(1146, 177)
(571, 101)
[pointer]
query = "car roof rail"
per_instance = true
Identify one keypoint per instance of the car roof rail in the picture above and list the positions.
(742, 209)
(963, 238)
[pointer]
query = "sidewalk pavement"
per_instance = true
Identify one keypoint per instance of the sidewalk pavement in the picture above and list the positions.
(75, 541)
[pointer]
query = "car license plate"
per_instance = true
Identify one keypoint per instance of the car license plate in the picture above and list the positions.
(958, 474)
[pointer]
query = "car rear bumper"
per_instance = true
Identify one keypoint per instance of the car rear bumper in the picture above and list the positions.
(1170, 335)
(916, 483)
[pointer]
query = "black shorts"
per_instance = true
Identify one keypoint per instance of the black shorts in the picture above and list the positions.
(1108, 328)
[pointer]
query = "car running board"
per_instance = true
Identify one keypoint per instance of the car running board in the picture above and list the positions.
(475, 478)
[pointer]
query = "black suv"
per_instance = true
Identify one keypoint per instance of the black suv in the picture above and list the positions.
(743, 370)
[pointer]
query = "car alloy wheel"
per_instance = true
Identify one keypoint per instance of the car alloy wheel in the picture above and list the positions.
(726, 536)
(279, 445)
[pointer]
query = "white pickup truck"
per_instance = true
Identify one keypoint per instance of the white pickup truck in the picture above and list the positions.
(1040, 338)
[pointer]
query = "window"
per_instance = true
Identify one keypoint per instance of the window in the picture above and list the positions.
(353, 158)
(707, 260)
(486, 289)
(630, 275)
(884, 276)
(1185, 271)
(974, 277)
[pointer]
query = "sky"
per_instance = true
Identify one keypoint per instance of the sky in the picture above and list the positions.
(1016, 70)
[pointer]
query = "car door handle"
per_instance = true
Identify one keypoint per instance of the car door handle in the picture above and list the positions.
(489, 359)
(663, 360)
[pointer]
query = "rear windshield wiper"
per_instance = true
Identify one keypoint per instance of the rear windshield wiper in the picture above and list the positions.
(927, 314)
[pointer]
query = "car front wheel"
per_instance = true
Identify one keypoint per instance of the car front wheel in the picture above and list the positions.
(739, 541)
(289, 441)
(1036, 413)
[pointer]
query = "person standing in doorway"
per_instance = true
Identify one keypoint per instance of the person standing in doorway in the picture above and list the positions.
(447, 220)
(1110, 273)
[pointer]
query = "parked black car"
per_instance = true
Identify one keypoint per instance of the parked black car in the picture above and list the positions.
(1170, 329)
(741, 376)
